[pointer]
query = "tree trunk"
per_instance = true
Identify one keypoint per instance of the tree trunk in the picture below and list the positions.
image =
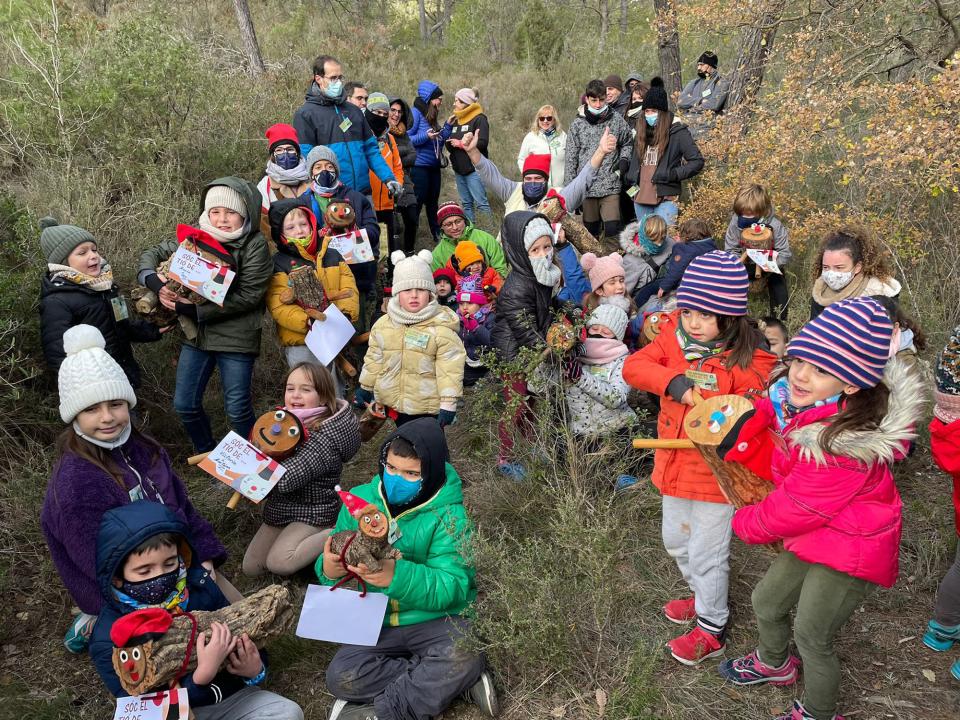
(623, 17)
(668, 45)
(756, 42)
(424, 32)
(249, 36)
(604, 22)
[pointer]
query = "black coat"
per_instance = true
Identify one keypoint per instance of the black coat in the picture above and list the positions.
(64, 304)
(680, 162)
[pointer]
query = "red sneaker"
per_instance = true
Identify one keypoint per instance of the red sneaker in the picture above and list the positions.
(695, 646)
(680, 612)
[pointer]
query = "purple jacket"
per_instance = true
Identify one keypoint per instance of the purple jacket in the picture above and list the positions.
(78, 495)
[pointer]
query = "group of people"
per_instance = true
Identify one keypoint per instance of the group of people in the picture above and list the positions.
(657, 323)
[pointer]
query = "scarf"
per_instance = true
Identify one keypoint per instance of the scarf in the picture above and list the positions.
(468, 113)
(597, 119)
(823, 295)
(294, 176)
(177, 600)
(546, 273)
(103, 281)
(106, 445)
(601, 351)
(619, 301)
(205, 225)
(549, 133)
(402, 317)
(306, 416)
(783, 409)
(695, 349)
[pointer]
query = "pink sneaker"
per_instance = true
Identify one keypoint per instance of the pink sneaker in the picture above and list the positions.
(680, 612)
(695, 646)
(798, 713)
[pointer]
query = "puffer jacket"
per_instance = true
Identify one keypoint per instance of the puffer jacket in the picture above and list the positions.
(681, 161)
(639, 266)
(583, 138)
(841, 510)
(236, 326)
(415, 369)
(429, 150)
(683, 473)
(945, 448)
(488, 245)
(408, 155)
(597, 402)
(291, 320)
(382, 200)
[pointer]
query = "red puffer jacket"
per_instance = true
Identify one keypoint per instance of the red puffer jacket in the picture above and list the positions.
(945, 446)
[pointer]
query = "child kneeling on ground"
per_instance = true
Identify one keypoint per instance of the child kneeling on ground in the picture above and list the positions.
(417, 667)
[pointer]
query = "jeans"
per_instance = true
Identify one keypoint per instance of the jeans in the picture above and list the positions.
(667, 209)
(194, 370)
(426, 185)
(473, 196)
(251, 703)
(947, 609)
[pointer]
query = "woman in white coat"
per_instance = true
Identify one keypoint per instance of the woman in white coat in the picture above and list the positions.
(546, 136)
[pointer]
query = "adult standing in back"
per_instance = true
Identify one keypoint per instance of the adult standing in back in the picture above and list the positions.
(468, 117)
(428, 137)
(325, 118)
(401, 118)
(546, 137)
(702, 99)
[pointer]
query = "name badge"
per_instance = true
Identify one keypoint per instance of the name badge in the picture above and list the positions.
(416, 340)
(120, 310)
(345, 125)
(703, 380)
(706, 92)
(632, 191)
(600, 372)
(136, 493)
(394, 533)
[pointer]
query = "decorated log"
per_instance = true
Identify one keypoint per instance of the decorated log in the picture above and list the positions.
(575, 232)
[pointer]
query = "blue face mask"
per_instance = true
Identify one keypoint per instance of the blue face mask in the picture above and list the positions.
(744, 222)
(596, 111)
(288, 161)
(324, 182)
(154, 590)
(651, 119)
(533, 192)
(399, 490)
(334, 89)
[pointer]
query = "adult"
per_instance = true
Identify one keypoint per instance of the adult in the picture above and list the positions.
(602, 203)
(428, 137)
(665, 155)
(456, 227)
(638, 90)
(377, 115)
(546, 137)
(400, 120)
(325, 118)
(357, 94)
(615, 96)
(468, 117)
(633, 79)
(850, 263)
(705, 97)
(287, 175)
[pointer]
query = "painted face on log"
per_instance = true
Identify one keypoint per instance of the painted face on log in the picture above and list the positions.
(277, 433)
(339, 215)
(651, 327)
(131, 663)
(372, 522)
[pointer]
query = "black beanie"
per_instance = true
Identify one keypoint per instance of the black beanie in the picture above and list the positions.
(709, 58)
(656, 97)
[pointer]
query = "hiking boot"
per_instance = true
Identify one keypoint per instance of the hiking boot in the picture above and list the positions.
(484, 695)
(749, 670)
(798, 713)
(941, 637)
(78, 634)
(513, 470)
(695, 646)
(344, 710)
(681, 612)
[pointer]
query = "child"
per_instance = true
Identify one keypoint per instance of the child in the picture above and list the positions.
(417, 667)
(445, 280)
(299, 512)
(826, 438)
(78, 288)
(467, 260)
(695, 239)
(752, 206)
(944, 629)
(104, 462)
(646, 246)
(228, 338)
(476, 324)
(910, 339)
(145, 559)
(710, 347)
(414, 363)
(607, 282)
(776, 334)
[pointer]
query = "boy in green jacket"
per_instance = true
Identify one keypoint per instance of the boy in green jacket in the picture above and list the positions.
(417, 668)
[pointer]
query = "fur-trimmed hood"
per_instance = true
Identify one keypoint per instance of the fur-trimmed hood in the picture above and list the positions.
(631, 246)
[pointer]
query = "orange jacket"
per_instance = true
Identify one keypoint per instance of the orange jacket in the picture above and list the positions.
(391, 155)
(683, 473)
(490, 277)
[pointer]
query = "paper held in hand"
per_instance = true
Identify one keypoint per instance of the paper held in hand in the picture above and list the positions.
(244, 468)
(327, 338)
(205, 278)
(342, 616)
(155, 706)
(766, 260)
(354, 246)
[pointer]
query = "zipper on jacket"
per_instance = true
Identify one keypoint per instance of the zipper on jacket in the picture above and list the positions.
(156, 492)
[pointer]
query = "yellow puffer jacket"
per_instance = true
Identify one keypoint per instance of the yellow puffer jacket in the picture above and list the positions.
(334, 273)
(415, 369)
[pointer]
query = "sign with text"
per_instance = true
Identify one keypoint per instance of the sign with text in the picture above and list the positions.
(240, 465)
(354, 246)
(205, 278)
(164, 705)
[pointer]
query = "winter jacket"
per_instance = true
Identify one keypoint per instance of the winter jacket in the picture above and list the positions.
(429, 150)
(408, 156)
(582, 141)
(234, 327)
(822, 296)
(415, 369)
(64, 304)
(511, 192)
(478, 340)
(382, 199)
(681, 161)
(306, 492)
(781, 238)
(704, 94)
(342, 127)
(641, 267)
(682, 255)
(492, 252)
(122, 530)
(489, 278)
(683, 473)
(435, 577)
(597, 402)
(291, 320)
(79, 493)
(537, 143)
(459, 160)
(945, 448)
(842, 509)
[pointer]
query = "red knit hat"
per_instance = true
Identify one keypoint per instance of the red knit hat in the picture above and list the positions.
(282, 133)
(447, 274)
(537, 164)
(140, 626)
(449, 209)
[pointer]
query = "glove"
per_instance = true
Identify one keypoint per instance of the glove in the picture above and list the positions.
(188, 310)
(446, 417)
(572, 370)
(623, 165)
(394, 188)
(153, 282)
(362, 397)
(470, 324)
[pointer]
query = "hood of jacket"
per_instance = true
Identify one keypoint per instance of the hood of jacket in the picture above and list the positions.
(124, 528)
(427, 438)
(425, 90)
(251, 198)
(632, 76)
(316, 96)
(906, 407)
(511, 236)
(279, 209)
(630, 247)
(405, 108)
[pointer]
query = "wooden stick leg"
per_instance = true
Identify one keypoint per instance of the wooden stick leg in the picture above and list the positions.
(657, 444)
(197, 459)
(346, 366)
(232, 502)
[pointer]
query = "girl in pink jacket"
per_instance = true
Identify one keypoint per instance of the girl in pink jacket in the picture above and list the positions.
(826, 438)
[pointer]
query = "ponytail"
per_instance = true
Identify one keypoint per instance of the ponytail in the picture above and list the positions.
(741, 336)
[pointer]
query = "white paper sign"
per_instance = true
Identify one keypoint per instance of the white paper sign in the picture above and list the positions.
(342, 616)
(328, 337)
(163, 705)
(766, 260)
(354, 246)
(205, 278)
(243, 467)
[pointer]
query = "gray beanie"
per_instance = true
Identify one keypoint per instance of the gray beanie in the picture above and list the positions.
(58, 241)
(378, 101)
(610, 316)
(535, 229)
(224, 196)
(322, 152)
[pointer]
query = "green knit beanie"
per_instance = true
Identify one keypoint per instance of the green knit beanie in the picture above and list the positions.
(58, 241)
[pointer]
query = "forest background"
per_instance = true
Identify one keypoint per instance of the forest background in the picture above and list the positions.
(113, 114)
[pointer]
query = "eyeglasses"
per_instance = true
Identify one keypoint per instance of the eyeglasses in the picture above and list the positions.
(394, 111)
(285, 152)
(450, 222)
(334, 78)
(546, 118)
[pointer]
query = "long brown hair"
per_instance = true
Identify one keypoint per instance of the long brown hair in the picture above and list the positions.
(861, 411)
(322, 381)
(741, 336)
(898, 316)
(69, 443)
(860, 244)
(657, 136)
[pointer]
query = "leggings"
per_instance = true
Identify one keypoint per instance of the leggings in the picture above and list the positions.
(284, 550)
(426, 183)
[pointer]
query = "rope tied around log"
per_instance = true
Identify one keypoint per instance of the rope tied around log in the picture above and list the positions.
(191, 644)
(351, 575)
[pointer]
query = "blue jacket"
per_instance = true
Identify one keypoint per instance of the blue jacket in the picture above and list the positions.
(121, 530)
(319, 121)
(575, 284)
(428, 151)
(682, 255)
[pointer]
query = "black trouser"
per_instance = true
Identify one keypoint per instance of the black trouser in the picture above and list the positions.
(411, 219)
(426, 185)
(387, 218)
(779, 295)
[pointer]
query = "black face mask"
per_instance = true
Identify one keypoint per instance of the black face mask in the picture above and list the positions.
(152, 591)
(377, 123)
(597, 336)
(701, 74)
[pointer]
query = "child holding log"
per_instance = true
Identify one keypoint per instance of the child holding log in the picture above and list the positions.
(707, 347)
(826, 437)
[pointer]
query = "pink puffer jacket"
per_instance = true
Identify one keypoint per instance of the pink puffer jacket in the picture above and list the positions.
(840, 510)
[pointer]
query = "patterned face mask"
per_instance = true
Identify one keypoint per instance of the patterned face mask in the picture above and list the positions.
(152, 591)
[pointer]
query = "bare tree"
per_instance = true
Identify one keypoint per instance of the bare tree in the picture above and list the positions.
(623, 17)
(756, 43)
(249, 36)
(604, 22)
(668, 44)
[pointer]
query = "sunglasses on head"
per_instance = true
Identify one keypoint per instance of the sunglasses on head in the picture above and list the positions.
(546, 118)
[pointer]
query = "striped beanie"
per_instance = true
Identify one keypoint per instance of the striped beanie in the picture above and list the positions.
(849, 339)
(717, 283)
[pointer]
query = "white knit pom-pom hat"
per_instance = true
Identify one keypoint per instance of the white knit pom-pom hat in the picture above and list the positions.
(410, 273)
(88, 375)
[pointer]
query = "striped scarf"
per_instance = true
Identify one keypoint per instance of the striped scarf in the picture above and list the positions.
(695, 349)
